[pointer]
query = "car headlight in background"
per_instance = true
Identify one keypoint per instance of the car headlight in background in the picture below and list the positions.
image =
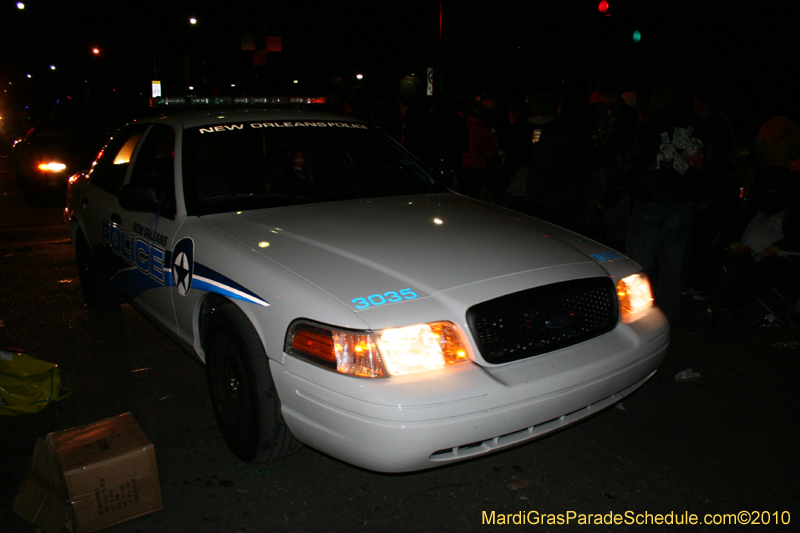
(635, 296)
(378, 354)
(52, 167)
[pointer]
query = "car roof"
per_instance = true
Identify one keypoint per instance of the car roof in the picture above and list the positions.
(196, 117)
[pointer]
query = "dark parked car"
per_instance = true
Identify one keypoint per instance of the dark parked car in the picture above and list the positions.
(49, 154)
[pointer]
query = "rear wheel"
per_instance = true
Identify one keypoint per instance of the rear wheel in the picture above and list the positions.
(242, 392)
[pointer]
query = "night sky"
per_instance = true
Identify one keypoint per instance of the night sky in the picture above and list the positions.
(745, 54)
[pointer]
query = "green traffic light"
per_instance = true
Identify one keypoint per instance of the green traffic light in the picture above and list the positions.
(637, 36)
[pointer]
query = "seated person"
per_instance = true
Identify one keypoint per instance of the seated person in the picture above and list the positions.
(764, 254)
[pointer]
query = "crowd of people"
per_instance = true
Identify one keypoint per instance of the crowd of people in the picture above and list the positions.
(657, 175)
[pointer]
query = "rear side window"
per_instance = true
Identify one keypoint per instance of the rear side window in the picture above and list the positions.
(109, 170)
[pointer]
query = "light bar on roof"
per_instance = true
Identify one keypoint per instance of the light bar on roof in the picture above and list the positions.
(225, 101)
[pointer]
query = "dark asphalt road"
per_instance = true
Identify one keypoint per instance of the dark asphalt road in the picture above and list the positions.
(724, 445)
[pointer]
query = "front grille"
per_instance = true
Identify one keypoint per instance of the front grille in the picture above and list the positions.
(543, 319)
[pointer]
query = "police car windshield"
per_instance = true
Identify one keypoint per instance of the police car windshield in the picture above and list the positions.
(242, 166)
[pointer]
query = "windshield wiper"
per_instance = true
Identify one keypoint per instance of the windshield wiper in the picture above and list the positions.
(252, 195)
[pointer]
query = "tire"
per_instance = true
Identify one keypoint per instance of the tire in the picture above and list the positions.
(243, 395)
(95, 290)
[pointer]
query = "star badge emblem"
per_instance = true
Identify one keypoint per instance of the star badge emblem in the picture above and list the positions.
(183, 266)
(182, 274)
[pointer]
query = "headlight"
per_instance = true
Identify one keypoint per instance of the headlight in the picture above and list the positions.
(635, 296)
(377, 354)
(421, 347)
(52, 167)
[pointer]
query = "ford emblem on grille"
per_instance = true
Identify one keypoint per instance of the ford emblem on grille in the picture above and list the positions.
(559, 320)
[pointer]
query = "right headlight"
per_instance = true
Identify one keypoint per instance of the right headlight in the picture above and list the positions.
(378, 354)
(635, 296)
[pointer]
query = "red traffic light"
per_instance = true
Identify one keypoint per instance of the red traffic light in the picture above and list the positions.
(603, 6)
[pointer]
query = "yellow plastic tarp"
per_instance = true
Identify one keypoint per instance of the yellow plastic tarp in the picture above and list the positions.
(28, 385)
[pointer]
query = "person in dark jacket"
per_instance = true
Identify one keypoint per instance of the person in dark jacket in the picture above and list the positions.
(724, 178)
(615, 120)
(663, 171)
(558, 185)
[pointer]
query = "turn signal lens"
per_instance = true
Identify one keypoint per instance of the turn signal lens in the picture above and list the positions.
(352, 353)
(315, 344)
(357, 355)
(635, 297)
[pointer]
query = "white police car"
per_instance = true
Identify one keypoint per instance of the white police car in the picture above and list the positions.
(342, 297)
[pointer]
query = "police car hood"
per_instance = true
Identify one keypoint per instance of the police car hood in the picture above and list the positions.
(428, 244)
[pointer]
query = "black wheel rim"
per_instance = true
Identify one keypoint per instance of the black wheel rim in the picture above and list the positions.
(233, 390)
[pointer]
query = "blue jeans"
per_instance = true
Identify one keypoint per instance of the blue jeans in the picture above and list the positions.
(661, 231)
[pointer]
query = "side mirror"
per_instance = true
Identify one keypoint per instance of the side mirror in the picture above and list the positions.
(144, 198)
(138, 198)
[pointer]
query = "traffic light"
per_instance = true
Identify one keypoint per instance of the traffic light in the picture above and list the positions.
(637, 36)
(603, 7)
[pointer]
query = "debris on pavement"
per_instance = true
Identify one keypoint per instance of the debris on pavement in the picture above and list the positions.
(688, 375)
(251, 469)
(787, 344)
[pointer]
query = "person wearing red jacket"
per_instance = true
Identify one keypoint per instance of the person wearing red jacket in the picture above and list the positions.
(482, 146)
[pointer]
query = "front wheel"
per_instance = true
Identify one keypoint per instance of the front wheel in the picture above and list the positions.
(95, 290)
(243, 394)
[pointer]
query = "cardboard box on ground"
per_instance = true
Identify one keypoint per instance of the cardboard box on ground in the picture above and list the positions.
(91, 477)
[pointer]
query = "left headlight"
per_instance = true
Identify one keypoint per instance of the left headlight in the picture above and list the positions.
(377, 354)
(635, 296)
(52, 167)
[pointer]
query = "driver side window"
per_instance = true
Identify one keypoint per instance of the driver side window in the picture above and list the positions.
(154, 167)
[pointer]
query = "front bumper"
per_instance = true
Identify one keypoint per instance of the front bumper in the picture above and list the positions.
(407, 423)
